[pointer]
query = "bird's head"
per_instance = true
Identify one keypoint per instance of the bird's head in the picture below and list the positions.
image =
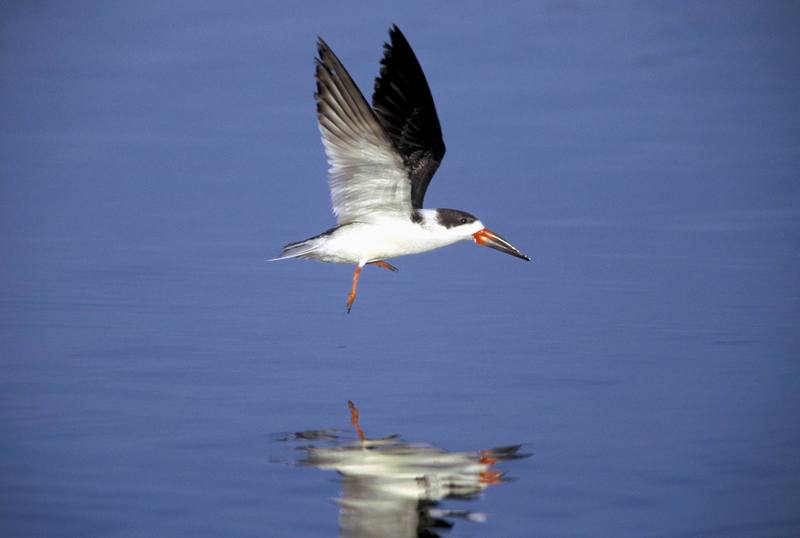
(464, 226)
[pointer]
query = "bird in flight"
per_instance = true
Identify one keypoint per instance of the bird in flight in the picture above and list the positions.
(381, 160)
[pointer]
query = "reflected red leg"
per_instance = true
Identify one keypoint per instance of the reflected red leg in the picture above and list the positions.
(354, 420)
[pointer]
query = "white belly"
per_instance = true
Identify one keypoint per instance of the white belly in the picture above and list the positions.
(390, 238)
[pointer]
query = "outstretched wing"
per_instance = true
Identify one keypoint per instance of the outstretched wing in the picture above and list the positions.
(404, 105)
(366, 173)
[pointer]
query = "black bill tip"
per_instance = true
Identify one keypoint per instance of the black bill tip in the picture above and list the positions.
(488, 238)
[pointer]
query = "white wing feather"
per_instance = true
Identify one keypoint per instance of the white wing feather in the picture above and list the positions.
(366, 174)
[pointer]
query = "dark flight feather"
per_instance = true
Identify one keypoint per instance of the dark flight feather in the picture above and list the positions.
(403, 103)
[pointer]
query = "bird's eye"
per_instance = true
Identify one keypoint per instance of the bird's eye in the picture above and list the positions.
(463, 220)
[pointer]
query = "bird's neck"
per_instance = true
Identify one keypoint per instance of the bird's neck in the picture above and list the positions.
(427, 218)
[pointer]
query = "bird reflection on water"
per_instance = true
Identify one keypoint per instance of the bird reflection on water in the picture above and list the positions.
(393, 488)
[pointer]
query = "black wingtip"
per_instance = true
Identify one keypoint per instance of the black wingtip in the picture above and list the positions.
(387, 46)
(322, 48)
(397, 36)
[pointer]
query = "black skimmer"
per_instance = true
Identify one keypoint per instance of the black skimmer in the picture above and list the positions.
(381, 160)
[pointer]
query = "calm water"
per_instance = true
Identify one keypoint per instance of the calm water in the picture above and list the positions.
(155, 369)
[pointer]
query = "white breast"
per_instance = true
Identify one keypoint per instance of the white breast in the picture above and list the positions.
(388, 237)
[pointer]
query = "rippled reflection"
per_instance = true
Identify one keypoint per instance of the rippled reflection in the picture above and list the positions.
(393, 488)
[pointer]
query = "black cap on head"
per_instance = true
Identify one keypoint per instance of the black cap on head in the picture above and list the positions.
(450, 218)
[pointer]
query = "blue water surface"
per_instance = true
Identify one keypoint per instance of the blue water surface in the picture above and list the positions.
(154, 367)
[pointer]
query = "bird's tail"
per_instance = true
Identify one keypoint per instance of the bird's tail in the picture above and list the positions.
(306, 248)
(301, 249)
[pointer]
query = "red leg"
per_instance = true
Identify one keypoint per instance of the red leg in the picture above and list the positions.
(351, 297)
(385, 265)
